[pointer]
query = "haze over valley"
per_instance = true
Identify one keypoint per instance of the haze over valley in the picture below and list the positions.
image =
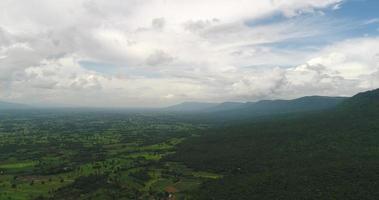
(189, 100)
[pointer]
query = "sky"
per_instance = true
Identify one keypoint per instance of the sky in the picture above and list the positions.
(152, 53)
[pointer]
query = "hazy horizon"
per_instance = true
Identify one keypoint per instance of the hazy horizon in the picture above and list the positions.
(68, 106)
(156, 53)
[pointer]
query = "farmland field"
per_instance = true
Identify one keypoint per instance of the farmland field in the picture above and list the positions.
(55, 154)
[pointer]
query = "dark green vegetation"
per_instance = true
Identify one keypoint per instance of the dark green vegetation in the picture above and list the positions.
(328, 155)
(308, 148)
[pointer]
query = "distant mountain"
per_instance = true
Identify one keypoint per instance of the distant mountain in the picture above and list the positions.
(303, 104)
(226, 106)
(237, 110)
(191, 107)
(12, 106)
(275, 107)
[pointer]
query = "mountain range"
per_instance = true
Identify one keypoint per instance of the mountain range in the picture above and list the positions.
(259, 108)
(237, 110)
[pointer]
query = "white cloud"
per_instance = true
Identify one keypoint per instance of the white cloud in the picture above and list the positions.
(168, 51)
(372, 21)
(351, 58)
(159, 57)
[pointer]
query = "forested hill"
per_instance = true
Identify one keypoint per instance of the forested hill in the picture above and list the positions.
(366, 103)
(330, 155)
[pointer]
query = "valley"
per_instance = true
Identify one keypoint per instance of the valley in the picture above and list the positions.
(294, 151)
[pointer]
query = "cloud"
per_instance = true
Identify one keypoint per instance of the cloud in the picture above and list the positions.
(166, 51)
(372, 21)
(199, 25)
(158, 23)
(159, 57)
(343, 68)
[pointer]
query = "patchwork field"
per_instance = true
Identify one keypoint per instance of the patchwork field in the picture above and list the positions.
(102, 155)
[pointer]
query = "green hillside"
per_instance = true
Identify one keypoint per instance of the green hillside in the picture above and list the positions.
(329, 155)
(365, 104)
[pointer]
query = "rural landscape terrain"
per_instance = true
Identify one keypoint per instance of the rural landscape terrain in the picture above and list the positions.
(307, 148)
(189, 99)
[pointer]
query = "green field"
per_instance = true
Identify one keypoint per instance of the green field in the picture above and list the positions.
(17, 165)
(102, 155)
